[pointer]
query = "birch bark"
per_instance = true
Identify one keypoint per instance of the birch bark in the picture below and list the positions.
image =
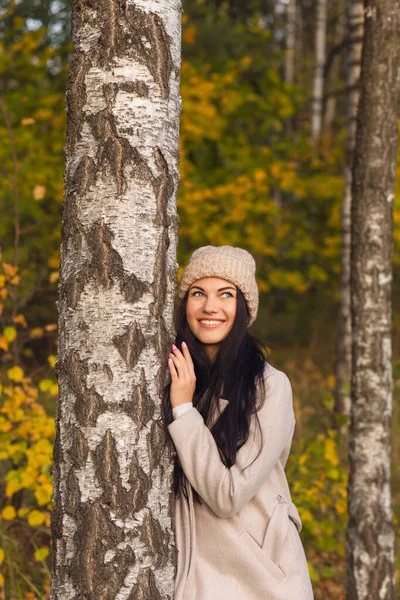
(111, 524)
(318, 81)
(355, 26)
(290, 41)
(370, 530)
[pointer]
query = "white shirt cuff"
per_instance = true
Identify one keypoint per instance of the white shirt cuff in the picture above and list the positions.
(178, 411)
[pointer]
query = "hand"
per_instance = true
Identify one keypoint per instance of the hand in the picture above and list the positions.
(183, 378)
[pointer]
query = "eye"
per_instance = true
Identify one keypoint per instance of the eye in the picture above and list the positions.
(195, 292)
(229, 295)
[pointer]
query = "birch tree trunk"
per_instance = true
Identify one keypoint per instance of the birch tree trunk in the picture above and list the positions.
(370, 531)
(290, 41)
(335, 68)
(355, 26)
(318, 82)
(111, 524)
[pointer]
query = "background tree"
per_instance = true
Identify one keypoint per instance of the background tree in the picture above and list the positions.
(111, 523)
(320, 54)
(370, 532)
(354, 36)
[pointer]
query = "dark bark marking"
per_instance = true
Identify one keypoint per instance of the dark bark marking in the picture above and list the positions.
(154, 537)
(88, 403)
(146, 588)
(139, 88)
(79, 451)
(75, 99)
(73, 495)
(130, 344)
(129, 31)
(84, 176)
(94, 536)
(140, 485)
(156, 446)
(140, 407)
(107, 470)
(108, 372)
(56, 513)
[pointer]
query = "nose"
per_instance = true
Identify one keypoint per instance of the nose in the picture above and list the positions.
(209, 305)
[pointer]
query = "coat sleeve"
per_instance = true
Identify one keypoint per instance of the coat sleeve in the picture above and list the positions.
(227, 490)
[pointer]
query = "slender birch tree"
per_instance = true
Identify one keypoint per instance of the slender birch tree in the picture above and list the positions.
(370, 530)
(355, 26)
(111, 524)
(318, 80)
(335, 66)
(290, 41)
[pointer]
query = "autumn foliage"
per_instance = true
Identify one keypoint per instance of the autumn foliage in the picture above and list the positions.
(249, 177)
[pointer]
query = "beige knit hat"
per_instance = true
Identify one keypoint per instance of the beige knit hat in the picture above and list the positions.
(233, 264)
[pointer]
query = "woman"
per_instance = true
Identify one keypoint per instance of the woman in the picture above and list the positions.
(230, 417)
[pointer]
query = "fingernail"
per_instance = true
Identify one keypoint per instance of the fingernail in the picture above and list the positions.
(184, 344)
(171, 354)
(174, 347)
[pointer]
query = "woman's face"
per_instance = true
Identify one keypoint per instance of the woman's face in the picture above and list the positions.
(211, 311)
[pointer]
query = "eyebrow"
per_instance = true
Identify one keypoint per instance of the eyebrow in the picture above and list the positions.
(220, 289)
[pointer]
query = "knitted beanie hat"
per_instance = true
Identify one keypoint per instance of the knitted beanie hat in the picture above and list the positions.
(233, 264)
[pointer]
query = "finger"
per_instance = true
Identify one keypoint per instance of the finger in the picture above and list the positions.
(172, 370)
(179, 365)
(180, 361)
(177, 353)
(186, 354)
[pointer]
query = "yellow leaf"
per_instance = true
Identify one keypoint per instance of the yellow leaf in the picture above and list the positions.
(8, 513)
(12, 486)
(39, 192)
(52, 360)
(305, 515)
(35, 518)
(10, 333)
(15, 374)
(330, 452)
(1, 555)
(1, 580)
(22, 512)
(3, 343)
(37, 332)
(189, 35)
(21, 320)
(54, 276)
(27, 121)
(41, 553)
(51, 327)
(45, 385)
(9, 269)
(43, 494)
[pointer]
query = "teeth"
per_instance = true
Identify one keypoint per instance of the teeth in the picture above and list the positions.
(210, 322)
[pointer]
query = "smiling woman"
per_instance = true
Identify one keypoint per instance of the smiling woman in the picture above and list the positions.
(211, 311)
(230, 418)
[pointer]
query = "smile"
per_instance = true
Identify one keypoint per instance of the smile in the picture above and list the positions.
(210, 323)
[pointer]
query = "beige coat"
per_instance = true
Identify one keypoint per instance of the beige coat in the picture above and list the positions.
(242, 542)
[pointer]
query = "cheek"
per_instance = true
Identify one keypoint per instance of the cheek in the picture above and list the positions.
(232, 314)
(189, 311)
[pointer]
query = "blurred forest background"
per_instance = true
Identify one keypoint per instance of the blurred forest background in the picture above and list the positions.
(252, 176)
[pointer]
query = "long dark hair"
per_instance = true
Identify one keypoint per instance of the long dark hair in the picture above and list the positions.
(235, 374)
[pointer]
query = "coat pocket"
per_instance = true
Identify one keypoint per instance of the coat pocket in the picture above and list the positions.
(258, 552)
(275, 539)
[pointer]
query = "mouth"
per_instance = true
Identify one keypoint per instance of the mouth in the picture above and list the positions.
(210, 323)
